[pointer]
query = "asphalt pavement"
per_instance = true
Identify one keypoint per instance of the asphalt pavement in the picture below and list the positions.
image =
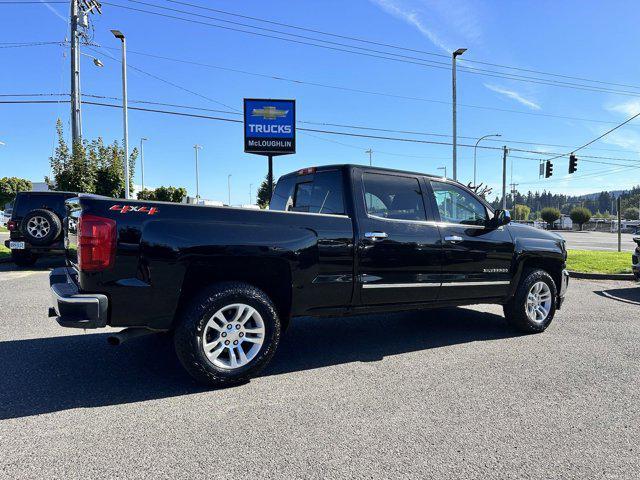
(451, 393)
(604, 241)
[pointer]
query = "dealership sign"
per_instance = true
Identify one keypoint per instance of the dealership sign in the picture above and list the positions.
(269, 126)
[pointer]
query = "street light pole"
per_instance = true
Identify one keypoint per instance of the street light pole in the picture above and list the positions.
(250, 196)
(445, 170)
(197, 147)
(370, 152)
(475, 148)
(455, 54)
(229, 187)
(125, 113)
(143, 139)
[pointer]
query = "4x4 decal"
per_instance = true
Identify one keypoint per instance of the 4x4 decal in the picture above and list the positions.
(132, 208)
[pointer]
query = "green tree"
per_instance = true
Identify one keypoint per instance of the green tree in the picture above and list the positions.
(164, 194)
(580, 215)
(9, 186)
(90, 167)
(550, 215)
(631, 213)
(263, 193)
(521, 212)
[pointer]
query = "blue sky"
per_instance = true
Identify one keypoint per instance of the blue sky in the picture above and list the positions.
(588, 39)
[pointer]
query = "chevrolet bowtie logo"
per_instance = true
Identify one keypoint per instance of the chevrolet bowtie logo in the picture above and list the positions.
(268, 113)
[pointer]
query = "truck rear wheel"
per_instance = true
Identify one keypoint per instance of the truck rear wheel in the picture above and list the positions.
(227, 334)
(532, 308)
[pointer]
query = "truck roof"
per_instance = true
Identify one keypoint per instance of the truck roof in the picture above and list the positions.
(366, 167)
(48, 192)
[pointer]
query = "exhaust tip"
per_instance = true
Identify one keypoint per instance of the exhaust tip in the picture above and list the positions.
(114, 340)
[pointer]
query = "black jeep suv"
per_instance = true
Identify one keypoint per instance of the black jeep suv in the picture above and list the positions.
(35, 227)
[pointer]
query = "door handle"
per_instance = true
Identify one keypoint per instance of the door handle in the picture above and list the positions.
(375, 235)
(453, 239)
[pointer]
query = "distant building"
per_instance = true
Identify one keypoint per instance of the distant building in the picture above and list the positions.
(39, 187)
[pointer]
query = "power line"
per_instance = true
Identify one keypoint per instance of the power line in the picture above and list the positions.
(349, 126)
(31, 44)
(164, 80)
(304, 129)
(365, 51)
(355, 90)
(597, 138)
(399, 47)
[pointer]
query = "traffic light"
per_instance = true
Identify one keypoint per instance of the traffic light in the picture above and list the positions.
(573, 163)
(548, 169)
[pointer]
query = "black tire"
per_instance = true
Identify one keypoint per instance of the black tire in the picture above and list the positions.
(192, 322)
(515, 311)
(23, 258)
(54, 227)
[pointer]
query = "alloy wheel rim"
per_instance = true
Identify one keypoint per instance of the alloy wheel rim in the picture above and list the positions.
(538, 302)
(233, 336)
(38, 227)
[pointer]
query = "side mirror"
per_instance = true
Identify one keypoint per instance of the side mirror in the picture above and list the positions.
(500, 218)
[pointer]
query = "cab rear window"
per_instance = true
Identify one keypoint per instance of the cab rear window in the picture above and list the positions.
(317, 193)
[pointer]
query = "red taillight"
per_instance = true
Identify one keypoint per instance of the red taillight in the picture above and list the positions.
(96, 243)
(12, 225)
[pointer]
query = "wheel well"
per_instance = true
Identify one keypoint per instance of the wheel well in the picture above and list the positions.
(550, 265)
(272, 276)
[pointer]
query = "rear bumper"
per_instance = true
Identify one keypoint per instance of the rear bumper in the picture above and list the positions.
(564, 285)
(72, 308)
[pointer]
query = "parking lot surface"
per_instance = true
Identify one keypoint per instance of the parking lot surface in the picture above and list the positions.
(450, 393)
(606, 241)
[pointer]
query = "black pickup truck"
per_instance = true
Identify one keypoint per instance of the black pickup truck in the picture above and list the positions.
(337, 240)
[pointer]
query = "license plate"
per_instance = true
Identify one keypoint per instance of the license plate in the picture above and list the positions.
(16, 245)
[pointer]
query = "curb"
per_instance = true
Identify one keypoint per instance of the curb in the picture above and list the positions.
(602, 276)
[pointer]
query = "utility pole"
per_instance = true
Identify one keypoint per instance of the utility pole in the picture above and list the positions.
(250, 196)
(79, 18)
(76, 117)
(504, 177)
(455, 54)
(370, 152)
(229, 187)
(196, 148)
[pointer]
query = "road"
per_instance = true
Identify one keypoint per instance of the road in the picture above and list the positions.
(443, 394)
(605, 241)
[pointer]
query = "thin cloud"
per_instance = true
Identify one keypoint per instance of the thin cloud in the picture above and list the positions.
(514, 96)
(413, 19)
(628, 108)
(55, 12)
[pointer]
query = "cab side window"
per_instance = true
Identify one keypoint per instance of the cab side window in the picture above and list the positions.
(394, 197)
(456, 205)
(321, 193)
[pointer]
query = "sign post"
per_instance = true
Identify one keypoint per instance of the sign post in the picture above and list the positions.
(269, 129)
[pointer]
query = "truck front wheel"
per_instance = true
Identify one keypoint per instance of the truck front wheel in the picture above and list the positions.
(227, 334)
(532, 308)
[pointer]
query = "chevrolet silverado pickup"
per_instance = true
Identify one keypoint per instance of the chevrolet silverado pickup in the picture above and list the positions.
(336, 240)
